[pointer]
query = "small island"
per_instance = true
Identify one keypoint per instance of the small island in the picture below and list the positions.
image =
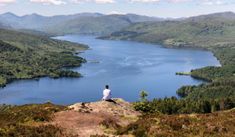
(183, 73)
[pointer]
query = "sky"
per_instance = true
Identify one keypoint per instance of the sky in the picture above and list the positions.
(157, 8)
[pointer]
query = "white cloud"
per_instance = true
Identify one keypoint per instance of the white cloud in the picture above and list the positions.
(60, 2)
(54, 2)
(145, 1)
(95, 1)
(156, 1)
(4, 2)
(116, 12)
(104, 1)
(213, 2)
(7, 1)
(176, 1)
(201, 2)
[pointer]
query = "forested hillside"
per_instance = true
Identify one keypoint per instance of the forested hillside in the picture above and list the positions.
(25, 56)
(203, 31)
(214, 32)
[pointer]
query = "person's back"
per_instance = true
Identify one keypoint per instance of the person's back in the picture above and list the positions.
(107, 94)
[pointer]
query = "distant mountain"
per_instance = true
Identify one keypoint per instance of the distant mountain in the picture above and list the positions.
(4, 26)
(1, 25)
(223, 16)
(207, 30)
(38, 22)
(98, 25)
(10, 19)
(90, 25)
(140, 18)
(83, 23)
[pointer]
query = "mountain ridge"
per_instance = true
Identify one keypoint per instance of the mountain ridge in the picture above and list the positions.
(92, 23)
(28, 56)
(203, 31)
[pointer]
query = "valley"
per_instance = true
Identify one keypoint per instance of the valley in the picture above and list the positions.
(136, 55)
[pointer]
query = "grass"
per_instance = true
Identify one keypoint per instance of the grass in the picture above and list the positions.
(27, 120)
(191, 125)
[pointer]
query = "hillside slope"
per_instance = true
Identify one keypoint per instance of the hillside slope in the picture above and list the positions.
(202, 31)
(38, 22)
(25, 56)
(91, 25)
(214, 32)
(102, 118)
(218, 124)
(100, 25)
(83, 23)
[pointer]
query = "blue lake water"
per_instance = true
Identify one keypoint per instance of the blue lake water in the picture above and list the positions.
(128, 67)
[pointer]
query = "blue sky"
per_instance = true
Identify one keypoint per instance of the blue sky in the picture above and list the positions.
(159, 8)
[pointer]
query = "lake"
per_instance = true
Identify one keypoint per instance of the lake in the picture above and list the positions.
(128, 67)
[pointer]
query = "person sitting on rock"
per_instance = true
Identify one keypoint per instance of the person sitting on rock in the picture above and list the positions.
(107, 94)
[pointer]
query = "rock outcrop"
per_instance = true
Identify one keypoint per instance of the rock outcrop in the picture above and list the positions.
(96, 118)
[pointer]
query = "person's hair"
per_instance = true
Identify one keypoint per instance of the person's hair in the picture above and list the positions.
(107, 86)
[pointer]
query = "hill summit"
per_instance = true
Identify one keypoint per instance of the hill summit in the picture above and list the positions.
(96, 118)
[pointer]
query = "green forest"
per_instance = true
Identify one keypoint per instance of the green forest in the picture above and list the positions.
(25, 56)
(214, 32)
(210, 32)
(205, 110)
